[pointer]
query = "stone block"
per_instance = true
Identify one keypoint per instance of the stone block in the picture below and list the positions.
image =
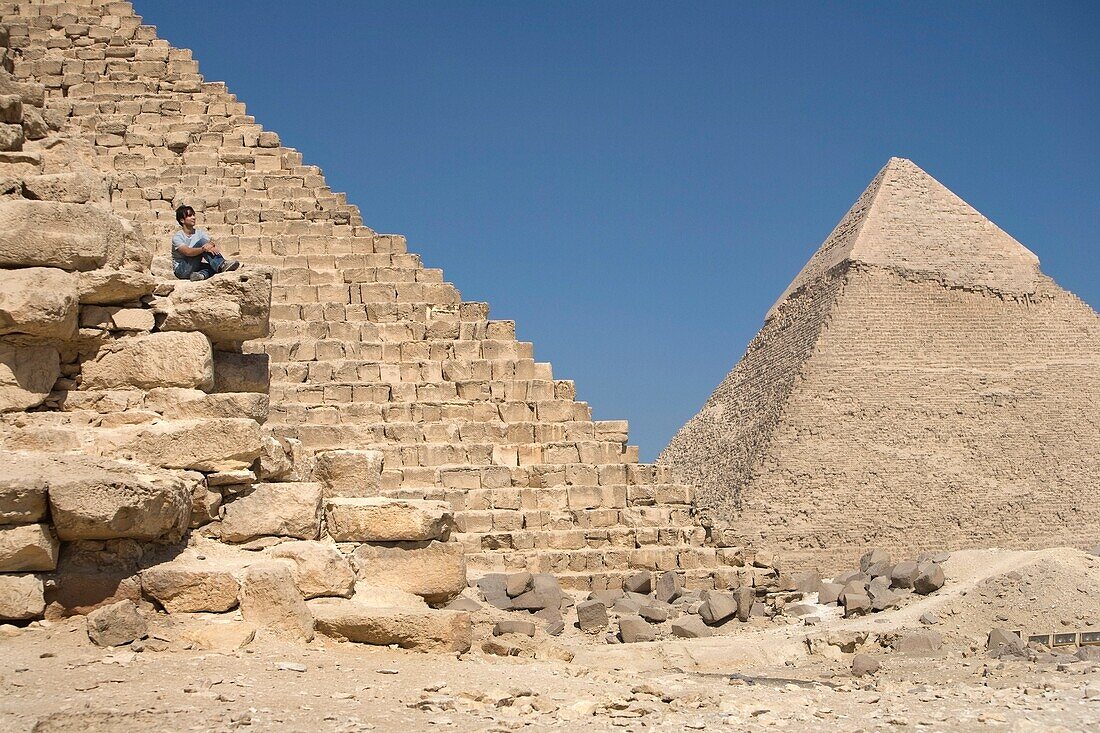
(929, 578)
(864, 664)
(639, 583)
(73, 188)
(27, 547)
(191, 587)
(435, 571)
(152, 360)
(387, 520)
(117, 624)
(227, 308)
(241, 372)
(592, 616)
(746, 602)
(270, 599)
(206, 444)
(829, 593)
(856, 604)
(545, 593)
(904, 574)
(349, 473)
(22, 496)
(717, 607)
(670, 586)
(279, 509)
(425, 630)
(319, 569)
(40, 302)
(514, 626)
(918, 642)
(98, 499)
(112, 287)
(68, 236)
(633, 629)
(27, 375)
(691, 627)
(21, 598)
(516, 584)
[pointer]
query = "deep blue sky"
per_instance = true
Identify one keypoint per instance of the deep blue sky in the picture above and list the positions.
(636, 183)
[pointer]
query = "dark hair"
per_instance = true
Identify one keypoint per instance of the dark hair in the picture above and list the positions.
(183, 211)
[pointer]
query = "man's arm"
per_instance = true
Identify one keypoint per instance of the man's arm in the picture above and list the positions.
(179, 243)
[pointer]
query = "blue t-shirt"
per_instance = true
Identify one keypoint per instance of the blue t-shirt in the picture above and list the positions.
(180, 239)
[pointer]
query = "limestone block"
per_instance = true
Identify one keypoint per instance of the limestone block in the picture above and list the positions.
(283, 510)
(110, 287)
(349, 473)
(38, 301)
(205, 504)
(27, 547)
(633, 629)
(152, 360)
(426, 630)
(21, 597)
(241, 372)
(319, 569)
(132, 319)
(68, 236)
(184, 404)
(11, 108)
(22, 495)
(73, 188)
(117, 624)
(435, 571)
(203, 444)
(191, 587)
(36, 125)
(32, 95)
(11, 137)
(27, 375)
(270, 599)
(386, 597)
(387, 520)
(233, 306)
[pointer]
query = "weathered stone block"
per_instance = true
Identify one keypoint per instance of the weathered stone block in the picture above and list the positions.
(270, 599)
(387, 520)
(592, 616)
(27, 375)
(241, 372)
(185, 587)
(112, 287)
(68, 236)
(349, 473)
(233, 306)
(152, 360)
(691, 627)
(426, 630)
(284, 510)
(208, 444)
(634, 629)
(73, 188)
(117, 624)
(22, 496)
(21, 597)
(27, 547)
(319, 569)
(435, 571)
(38, 301)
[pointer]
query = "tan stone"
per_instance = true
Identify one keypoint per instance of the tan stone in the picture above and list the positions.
(284, 510)
(38, 301)
(387, 520)
(270, 599)
(22, 495)
(152, 360)
(104, 499)
(21, 597)
(117, 624)
(27, 547)
(426, 630)
(27, 375)
(435, 571)
(205, 444)
(319, 569)
(110, 287)
(180, 403)
(233, 306)
(241, 372)
(69, 236)
(349, 473)
(191, 587)
(387, 597)
(74, 188)
(132, 319)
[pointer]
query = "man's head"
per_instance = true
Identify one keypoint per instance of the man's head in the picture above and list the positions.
(183, 212)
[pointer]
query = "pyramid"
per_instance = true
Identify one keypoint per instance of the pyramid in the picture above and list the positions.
(383, 380)
(920, 385)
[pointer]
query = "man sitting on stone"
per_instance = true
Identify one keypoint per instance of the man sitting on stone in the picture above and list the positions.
(194, 255)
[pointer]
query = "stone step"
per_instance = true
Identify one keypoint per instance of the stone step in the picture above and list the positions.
(599, 563)
(420, 371)
(381, 329)
(364, 413)
(400, 340)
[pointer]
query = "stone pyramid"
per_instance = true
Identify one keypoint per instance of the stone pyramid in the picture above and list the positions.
(382, 380)
(920, 385)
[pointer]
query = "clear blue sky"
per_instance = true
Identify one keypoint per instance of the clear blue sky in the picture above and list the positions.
(635, 183)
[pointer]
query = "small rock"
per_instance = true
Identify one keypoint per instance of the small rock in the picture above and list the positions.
(829, 593)
(691, 627)
(717, 607)
(517, 584)
(291, 667)
(634, 629)
(929, 578)
(929, 619)
(864, 664)
(904, 574)
(514, 626)
(874, 557)
(639, 583)
(591, 616)
(117, 624)
(670, 586)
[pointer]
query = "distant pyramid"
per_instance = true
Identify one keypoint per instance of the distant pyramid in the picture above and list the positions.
(920, 385)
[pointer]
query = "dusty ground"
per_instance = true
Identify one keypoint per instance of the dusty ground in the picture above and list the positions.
(53, 679)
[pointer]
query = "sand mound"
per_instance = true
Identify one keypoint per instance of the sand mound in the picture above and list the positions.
(1047, 591)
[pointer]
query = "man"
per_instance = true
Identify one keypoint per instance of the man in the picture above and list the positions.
(194, 255)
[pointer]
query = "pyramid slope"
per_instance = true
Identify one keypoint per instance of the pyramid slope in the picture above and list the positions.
(908, 221)
(894, 405)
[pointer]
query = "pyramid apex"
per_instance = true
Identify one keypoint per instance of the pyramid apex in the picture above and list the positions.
(909, 222)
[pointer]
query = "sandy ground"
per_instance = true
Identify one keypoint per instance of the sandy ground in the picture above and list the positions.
(53, 679)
